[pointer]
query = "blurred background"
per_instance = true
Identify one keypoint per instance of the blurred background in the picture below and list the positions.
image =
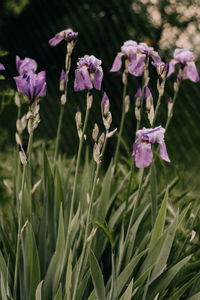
(103, 26)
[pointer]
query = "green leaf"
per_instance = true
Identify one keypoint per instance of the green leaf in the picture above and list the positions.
(30, 261)
(68, 276)
(106, 231)
(195, 297)
(165, 251)
(3, 52)
(59, 294)
(59, 197)
(160, 284)
(49, 198)
(160, 222)
(4, 271)
(38, 295)
(182, 289)
(128, 272)
(105, 195)
(55, 269)
(153, 184)
(128, 293)
(97, 277)
(3, 289)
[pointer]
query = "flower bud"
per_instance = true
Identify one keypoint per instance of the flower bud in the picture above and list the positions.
(105, 105)
(127, 103)
(63, 99)
(137, 114)
(148, 98)
(107, 121)
(78, 122)
(63, 80)
(111, 133)
(95, 132)
(17, 99)
(101, 140)
(22, 156)
(18, 140)
(96, 153)
(138, 98)
(21, 124)
(170, 105)
(89, 100)
(151, 114)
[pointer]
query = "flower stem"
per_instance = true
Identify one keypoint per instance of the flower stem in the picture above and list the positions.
(132, 217)
(173, 103)
(122, 119)
(88, 221)
(20, 197)
(68, 65)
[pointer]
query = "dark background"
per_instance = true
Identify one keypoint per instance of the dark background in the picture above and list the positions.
(103, 26)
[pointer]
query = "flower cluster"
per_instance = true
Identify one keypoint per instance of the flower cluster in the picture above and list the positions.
(31, 85)
(135, 55)
(89, 73)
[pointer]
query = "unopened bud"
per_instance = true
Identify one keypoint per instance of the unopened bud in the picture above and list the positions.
(151, 115)
(89, 100)
(18, 140)
(148, 98)
(124, 78)
(101, 140)
(160, 87)
(63, 80)
(127, 103)
(22, 156)
(78, 122)
(107, 121)
(148, 103)
(192, 233)
(96, 153)
(137, 114)
(111, 133)
(36, 121)
(63, 99)
(176, 86)
(138, 97)
(21, 124)
(95, 132)
(170, 105)
(17, 99)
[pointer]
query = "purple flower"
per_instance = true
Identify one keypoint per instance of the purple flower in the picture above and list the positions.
(143, 50)
(185, 58)
(32, 86)
(68, 35)
(128, 50)
(26, 65)
(2, 67)
(88, 74)
(142, 148)
(148, 95)
(63, 80)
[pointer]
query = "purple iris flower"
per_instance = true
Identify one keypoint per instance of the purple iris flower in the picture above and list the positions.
(32, 86)
(88, 74)
(185, 58)
(143, 50)
(142, 148)
(68, 35)
(26, 65)
(2, 67)
(128, 50)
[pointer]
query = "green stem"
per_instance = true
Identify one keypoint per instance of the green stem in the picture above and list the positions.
(28, 155)
(88, 221)
(132, 217)
(78, 162)
(68, 65)
(58, 133)
(122, 119)
(172, 109)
